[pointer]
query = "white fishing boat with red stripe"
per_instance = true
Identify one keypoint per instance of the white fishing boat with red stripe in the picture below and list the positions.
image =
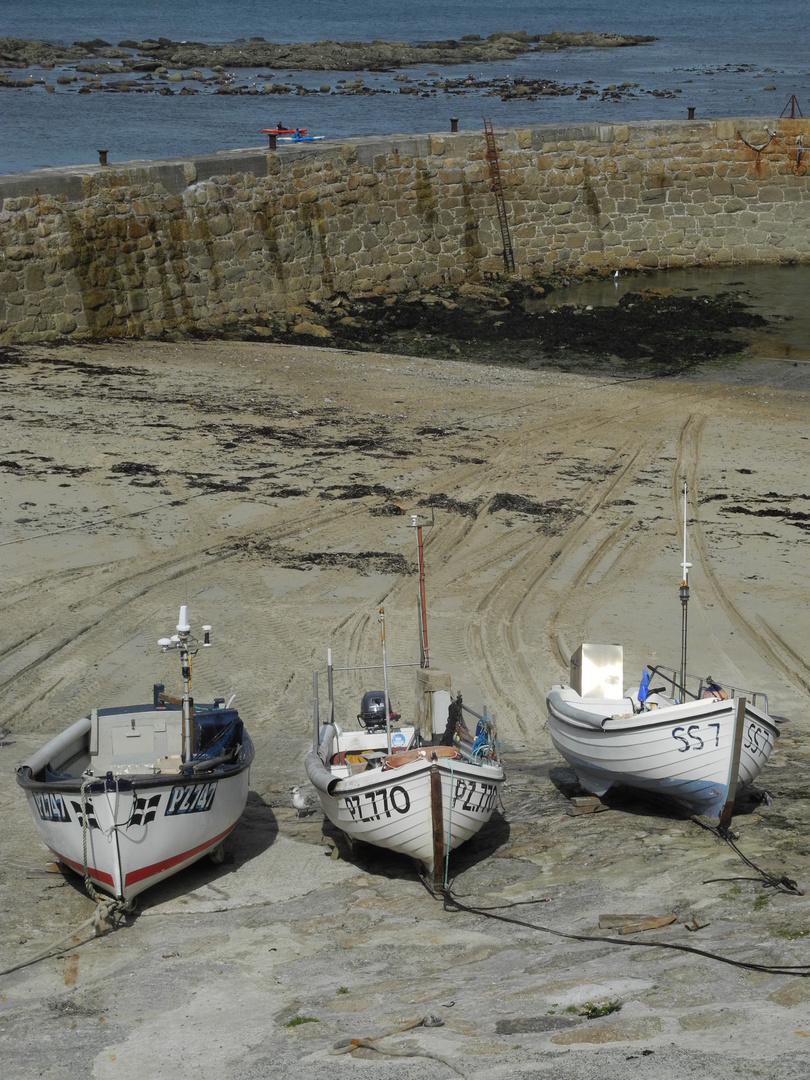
(420, 789)
(128, 795)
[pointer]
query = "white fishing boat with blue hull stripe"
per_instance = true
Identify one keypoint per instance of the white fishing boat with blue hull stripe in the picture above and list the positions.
(690, 739)
(680, 749)
(127, 796)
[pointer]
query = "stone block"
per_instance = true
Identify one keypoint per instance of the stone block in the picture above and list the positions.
(219, 224)
(770, 193)
(138, 300)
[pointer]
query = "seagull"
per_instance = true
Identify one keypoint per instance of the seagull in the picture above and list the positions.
(301, 802)
(615, 277)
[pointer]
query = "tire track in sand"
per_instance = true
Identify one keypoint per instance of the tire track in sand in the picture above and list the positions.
(765, 641)
(498, 639)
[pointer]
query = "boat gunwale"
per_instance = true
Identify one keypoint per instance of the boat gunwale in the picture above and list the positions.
(450, 766)
(610, 724)
(123, 781)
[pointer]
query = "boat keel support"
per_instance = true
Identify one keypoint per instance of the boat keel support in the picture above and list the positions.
(585, 804)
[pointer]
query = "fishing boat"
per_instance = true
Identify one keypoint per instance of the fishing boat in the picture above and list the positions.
(128, 795)
(690, 739)
(674, 741)
(421, 788)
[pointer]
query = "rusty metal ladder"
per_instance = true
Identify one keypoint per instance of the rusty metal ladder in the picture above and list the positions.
(500, 201)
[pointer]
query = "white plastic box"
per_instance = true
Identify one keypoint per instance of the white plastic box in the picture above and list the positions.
(597, 671)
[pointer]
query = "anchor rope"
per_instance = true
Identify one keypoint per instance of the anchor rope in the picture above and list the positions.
(105, 917)
(802, 971)
(108, 908)
(88, 884)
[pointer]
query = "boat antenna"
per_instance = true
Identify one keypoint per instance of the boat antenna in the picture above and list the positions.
(424, 652)
(684, 591)
(385, 682)
(183, 641)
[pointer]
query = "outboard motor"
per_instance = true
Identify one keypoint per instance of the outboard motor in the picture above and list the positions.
(372, 710)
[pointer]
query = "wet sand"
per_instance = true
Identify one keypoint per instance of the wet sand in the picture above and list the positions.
(270, 489)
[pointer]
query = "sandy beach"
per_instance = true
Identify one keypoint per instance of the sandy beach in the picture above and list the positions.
(270, 488)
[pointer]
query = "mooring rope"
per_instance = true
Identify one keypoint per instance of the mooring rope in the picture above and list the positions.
(108, 909)
(781, 884)
(452, 903)
(105, 917)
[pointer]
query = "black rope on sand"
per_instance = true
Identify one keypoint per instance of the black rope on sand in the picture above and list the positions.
(781, 884)
(453, 904)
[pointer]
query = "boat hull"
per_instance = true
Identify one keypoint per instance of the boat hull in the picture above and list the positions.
(424, 808)
(679, 751)
(138, 824)
(139, 834)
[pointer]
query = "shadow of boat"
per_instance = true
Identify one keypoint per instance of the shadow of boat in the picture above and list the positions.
(639, 803)
(254, 833)
(380, 862)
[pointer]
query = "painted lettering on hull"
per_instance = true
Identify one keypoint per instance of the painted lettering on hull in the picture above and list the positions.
(698, 737)
(191, 799)
(51, 806)
(474, 796)
(378, 804)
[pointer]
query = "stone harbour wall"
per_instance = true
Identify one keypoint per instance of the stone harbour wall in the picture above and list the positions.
(235, 241)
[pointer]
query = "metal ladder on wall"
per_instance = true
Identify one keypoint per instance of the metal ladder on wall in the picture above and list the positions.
(500, 201)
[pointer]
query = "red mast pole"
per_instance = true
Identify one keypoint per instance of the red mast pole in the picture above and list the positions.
(424, 657)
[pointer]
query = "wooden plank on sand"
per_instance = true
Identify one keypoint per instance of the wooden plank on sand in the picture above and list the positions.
(631, 924)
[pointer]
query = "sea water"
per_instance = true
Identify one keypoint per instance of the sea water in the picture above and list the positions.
(718, 57)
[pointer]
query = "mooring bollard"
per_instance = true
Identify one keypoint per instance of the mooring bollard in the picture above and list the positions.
(271, 140)
(102, 157)
(454, 123)
(690, 110)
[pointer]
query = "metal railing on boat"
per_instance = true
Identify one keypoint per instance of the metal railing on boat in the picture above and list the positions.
(696, 685)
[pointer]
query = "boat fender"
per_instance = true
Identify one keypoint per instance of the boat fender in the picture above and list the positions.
(326, 738)
(428, 753)
(52, 752)
(321, 778)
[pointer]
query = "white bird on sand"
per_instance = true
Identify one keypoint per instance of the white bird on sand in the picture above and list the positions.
(301, 802)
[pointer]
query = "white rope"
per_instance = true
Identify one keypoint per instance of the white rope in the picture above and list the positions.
(103, 918)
